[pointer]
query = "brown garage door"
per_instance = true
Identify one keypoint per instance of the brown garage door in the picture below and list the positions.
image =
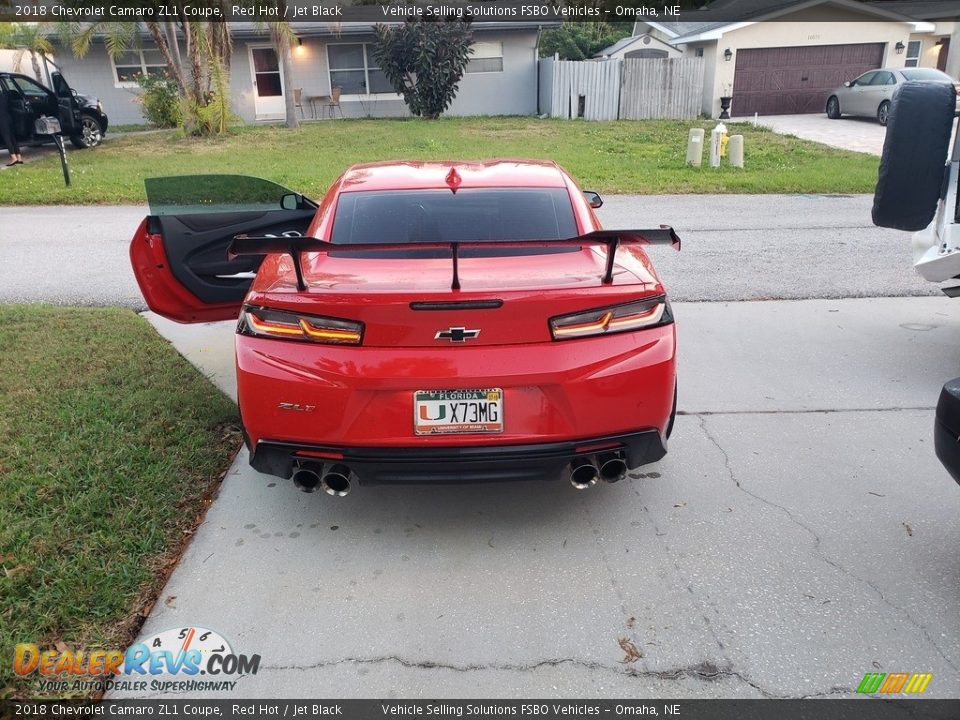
(783, 81)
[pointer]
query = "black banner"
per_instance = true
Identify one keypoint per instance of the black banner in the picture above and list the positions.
(483, 11)
(866, 708)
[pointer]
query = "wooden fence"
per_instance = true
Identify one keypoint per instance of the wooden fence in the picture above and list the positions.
(668, 88)
(589, 90)
(621, 89)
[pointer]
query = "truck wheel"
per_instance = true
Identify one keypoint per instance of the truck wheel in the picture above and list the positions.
(90, 135)
(833, 108)
(914, 154)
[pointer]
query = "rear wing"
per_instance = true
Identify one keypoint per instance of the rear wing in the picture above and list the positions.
(295, 246)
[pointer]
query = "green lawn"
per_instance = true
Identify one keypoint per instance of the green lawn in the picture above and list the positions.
(110, 446)
(611, 157)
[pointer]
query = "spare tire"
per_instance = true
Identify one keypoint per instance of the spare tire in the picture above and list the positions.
(914, 155)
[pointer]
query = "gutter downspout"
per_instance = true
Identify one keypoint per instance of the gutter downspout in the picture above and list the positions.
(536, 57)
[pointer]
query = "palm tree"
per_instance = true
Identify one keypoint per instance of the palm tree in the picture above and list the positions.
(28, 38)
(207, 46)
(282, 37)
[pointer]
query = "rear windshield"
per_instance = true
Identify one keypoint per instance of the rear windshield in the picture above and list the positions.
(928, 74)
(485, 214)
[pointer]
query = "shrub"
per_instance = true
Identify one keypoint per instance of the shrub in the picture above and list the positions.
(160, 100)
(424, 62)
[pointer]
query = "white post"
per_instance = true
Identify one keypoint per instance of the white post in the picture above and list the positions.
(735, 150)
(695, 147)
(715, 136)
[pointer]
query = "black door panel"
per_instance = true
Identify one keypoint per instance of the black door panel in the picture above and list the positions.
(198, 258)
(198, 217)
(68, 109)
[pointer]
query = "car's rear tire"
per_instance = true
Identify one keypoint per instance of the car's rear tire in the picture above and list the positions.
(883, 113)
(833, 108)
(914, 154)
(90, 135)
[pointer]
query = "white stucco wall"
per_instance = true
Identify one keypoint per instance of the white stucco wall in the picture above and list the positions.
(510, 92)
(93, 75)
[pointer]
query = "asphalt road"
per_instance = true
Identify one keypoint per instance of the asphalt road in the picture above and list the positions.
(736, 247)
(799, 533)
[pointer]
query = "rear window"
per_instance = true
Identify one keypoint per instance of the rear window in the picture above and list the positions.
(928, 74)
(485, 214)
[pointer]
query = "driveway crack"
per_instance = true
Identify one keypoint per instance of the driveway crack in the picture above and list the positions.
(816, 544)
(704, 671)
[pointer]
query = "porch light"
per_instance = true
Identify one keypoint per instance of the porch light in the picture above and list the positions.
(899, 47)
(728, 55)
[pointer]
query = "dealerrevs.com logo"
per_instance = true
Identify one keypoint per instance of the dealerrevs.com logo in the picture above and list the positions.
(179, 660)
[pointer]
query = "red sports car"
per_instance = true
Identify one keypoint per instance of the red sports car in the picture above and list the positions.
(427, 322)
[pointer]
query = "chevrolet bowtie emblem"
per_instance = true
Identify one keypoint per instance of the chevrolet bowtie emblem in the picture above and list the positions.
(456, 334)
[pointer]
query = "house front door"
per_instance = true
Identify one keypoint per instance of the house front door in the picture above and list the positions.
(267, 84)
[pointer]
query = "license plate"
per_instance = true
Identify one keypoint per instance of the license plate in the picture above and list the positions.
(442, 412)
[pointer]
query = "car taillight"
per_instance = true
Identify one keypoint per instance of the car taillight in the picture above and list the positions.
(638, 315)
(285, 325)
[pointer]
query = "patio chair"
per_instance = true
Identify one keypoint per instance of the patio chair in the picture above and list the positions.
(333, 105)
(298, 100)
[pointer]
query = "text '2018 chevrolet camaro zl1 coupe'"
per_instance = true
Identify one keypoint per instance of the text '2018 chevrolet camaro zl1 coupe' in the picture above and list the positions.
(427, 322)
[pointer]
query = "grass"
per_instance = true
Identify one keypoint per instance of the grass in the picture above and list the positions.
(135, 127)
(110, 447)
(610, 157)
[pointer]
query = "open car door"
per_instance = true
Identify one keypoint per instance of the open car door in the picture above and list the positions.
(68, 108)
(179, 252)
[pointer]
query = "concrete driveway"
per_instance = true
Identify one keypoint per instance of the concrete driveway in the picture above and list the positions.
(799, 533)
(864, 135)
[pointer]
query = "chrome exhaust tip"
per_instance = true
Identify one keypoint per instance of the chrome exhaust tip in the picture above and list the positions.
(612, 467)
(583, 473)
(306, 479)
(336, 481)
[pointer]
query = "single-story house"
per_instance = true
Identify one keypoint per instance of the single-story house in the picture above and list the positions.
(644, 46)
(785, 57)
(501, 78)
(932, 49)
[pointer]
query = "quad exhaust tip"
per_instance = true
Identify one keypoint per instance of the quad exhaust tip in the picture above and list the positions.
(306, 479)
(336, 481)
(583, 473)
(612, 467)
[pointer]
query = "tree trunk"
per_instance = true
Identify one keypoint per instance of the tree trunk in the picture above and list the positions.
(170, 55)
(281, 42)
(36, 66)
(195, 91)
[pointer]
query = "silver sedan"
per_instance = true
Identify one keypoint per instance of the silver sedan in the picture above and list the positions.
(869, 95)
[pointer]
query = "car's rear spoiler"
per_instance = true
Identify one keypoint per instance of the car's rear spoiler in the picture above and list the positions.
(295, 246)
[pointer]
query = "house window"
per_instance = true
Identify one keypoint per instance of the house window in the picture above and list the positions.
(486, 57)
(913, 53)
(354, 71)
(266, 73)
(698, 52)
(132, 63)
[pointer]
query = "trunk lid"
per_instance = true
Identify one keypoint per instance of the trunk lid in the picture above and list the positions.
(408, 302)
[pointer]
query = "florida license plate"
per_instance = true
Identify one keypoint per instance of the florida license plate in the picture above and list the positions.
(441, 412)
